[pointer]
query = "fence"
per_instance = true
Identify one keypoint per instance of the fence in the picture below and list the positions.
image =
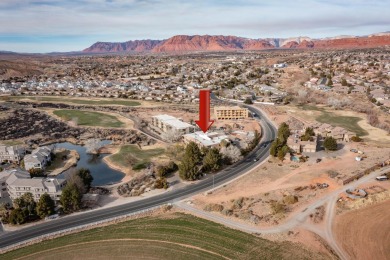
(70, 230)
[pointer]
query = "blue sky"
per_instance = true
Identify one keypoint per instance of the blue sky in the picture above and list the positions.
(59, 25)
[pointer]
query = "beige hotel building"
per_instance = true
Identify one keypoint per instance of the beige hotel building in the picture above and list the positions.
(226, 113)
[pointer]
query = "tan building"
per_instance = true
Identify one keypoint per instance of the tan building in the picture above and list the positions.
(226, 113)
(19, 182)
(168, 123)
(11, 153)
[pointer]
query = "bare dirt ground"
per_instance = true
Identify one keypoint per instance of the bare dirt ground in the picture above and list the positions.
(247, 124)
(365, 233)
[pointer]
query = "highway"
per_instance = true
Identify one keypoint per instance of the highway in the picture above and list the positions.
(260, 153)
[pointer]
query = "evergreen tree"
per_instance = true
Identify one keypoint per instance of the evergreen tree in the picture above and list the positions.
(70, 198)
(45, 206)
(212, 160)
(86, 177)
(330, 143)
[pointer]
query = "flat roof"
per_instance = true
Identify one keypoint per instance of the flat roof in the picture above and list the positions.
(173, 121)
(206, 139)
(230, 108)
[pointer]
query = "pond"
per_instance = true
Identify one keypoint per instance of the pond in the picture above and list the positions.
(101, 172)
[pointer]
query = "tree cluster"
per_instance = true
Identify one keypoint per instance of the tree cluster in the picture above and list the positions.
(79, 182)
(196, 161)
(26, 209)
(279, 146)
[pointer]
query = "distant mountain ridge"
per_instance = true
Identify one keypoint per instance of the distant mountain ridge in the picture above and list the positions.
(187, 43)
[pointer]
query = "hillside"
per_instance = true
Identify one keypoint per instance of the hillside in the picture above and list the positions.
(186, 43)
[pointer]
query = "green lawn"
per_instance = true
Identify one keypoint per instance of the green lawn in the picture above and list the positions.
(88, 118)
(80, 101)
(142, 156)
(179, 236)
(348, 122)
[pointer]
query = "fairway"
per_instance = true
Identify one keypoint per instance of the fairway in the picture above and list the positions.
(173, 236)
(88, 118)
(141, 156)
(348, 122)
(80, 101)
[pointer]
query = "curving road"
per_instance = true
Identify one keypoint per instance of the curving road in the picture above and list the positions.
(260, 153)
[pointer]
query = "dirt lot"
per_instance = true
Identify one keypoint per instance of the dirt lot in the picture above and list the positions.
(275, 191)
(365, 233)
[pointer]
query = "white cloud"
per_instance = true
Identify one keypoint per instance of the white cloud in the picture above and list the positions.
(120, 20)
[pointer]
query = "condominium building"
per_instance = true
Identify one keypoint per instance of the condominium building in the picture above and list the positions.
(38, 159)
(168, 123)
(11, 153)
(226, 113)
(19, 182)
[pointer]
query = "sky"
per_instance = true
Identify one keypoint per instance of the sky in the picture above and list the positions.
(73, 25)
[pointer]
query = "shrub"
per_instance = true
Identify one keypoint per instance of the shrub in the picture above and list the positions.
(213, 207)
(290, 199)
(139, 166)
(161, 183)
(165, 170)
(278, 208)
(356, 139)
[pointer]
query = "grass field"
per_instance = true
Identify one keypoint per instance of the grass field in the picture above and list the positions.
(348, 122)
(177, 236)
(142, 156)
(87, 118)
(80, 101)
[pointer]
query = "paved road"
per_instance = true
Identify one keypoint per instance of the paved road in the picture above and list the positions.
(232, 172)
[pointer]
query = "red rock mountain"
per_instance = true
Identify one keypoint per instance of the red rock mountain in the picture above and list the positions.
(185, 43)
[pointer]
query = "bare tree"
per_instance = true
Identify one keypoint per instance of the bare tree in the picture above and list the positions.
(302, 96)
(232, 152)
(73, 178)
(93, 145)
(170, 136)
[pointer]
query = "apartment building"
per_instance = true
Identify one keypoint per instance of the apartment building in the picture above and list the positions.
(228, 113)
(19, 182)
(11, 153)
(168, 123)
(39, 158)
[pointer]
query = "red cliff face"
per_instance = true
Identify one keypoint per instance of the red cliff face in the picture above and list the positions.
(358, 42)
(185, 43)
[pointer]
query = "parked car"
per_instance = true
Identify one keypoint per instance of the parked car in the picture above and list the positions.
(382, 178)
